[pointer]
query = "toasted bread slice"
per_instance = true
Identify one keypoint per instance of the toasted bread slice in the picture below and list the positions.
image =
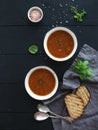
(74, 105)
(84, 94)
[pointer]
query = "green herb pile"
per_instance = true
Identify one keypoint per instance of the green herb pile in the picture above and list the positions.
(78, 15)
(82, 68)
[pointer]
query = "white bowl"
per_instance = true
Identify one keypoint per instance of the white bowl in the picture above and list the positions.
(63, 29)
(33, 8)
(35, 96)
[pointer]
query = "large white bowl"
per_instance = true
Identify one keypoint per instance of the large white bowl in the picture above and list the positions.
(57, 29)
(35, 96)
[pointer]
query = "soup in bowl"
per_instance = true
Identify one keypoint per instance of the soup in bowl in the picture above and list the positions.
(41, 82)
(60, 43)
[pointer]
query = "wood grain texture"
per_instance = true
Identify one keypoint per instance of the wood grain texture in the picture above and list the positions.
(17, 33)
(16, 40)
(55, 12)
(22, 121)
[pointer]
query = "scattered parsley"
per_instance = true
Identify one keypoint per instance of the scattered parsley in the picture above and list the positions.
(82, 68)
(78, 15)
(33, 49)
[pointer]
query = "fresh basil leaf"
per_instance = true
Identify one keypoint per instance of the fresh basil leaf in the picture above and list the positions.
(83, 72)
(89, 72)
(79, 62)
(82, 68)
(78, 15)
(76, 67)
(85, 62)
(33, 49)
(82, 77)
(75, 16)
(80, 20)
(88, 77)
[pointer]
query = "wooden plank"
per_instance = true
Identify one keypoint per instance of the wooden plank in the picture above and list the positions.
(15, 40)
(14, 99)
(56, 12)
(13, 68)
(16, 61)
(12, 121)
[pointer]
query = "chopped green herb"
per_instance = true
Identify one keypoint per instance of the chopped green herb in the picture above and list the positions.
(78, 15)
(60, 43)
(82, 68)
(33, 49)
(40, 81)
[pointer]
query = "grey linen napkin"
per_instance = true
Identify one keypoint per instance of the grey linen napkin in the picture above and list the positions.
(89, 119)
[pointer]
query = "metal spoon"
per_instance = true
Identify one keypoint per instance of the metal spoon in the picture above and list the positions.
(45, 109)
(40, 116)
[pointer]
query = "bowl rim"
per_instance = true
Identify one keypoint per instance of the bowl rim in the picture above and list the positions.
(63, 29)
(35, 96)
(32, 8)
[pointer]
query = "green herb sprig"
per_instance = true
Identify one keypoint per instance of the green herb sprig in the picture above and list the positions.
(78, 15)
(82, 68)
(33, 49)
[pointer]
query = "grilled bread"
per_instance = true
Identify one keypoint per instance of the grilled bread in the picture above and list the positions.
(74, 105)
(84, 94)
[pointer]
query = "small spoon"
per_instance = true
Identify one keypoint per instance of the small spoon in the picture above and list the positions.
(45, 109)
(40, 116)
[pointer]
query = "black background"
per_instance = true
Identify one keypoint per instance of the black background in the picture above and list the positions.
(17, 33)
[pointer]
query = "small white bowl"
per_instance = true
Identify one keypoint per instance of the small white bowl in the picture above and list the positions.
(35, 8)
(58, 29)
(35, 96)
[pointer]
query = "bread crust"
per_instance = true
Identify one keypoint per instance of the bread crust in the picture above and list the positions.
(74, 105)
(84, 94)
(77, 102)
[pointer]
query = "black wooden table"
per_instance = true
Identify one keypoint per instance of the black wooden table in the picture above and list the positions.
(17, 33)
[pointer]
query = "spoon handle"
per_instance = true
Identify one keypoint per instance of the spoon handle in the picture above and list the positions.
(62, 118)
(69, 119)
(53, 117)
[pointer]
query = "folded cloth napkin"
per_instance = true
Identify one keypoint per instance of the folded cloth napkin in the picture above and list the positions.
(89, 119)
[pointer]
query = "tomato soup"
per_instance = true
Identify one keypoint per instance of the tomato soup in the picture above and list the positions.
(41, 82)
(60, 44)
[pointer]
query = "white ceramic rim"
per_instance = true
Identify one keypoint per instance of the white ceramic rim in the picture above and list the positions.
(64, 29)
(32, 8)
(35, 96)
